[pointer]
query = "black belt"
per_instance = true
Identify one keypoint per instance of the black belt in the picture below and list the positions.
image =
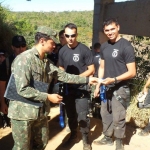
(116, 86)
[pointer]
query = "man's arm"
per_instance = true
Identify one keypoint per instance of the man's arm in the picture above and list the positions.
(3, 79)
(101, 69)
(3, 106)
(22, 73)
(61, 75)
(87, 73)
(100, 76)
(90, 71)
(125, 76)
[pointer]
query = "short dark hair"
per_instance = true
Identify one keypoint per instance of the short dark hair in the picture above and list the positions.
(97, 45)
(71, 26)
(61, 32)
(40, 35)
(110, 21)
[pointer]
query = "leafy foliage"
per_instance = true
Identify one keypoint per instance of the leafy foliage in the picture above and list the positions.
(6, 30)
(142, 58)
(27, 22)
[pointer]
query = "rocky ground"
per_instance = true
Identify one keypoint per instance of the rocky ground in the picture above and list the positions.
(59, 135)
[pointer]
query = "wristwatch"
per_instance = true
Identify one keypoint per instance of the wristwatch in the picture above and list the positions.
(115, 82)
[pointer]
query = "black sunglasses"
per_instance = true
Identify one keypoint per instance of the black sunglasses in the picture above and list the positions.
(20, 45)
(67, 36)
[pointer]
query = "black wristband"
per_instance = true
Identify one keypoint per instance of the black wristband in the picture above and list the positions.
(87, 79)
(115, 82)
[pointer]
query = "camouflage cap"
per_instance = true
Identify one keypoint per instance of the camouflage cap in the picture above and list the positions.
(48, 31)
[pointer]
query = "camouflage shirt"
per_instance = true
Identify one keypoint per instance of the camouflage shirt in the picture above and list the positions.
(27, 66)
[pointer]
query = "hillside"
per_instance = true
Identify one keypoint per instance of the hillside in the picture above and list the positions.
(27, 22)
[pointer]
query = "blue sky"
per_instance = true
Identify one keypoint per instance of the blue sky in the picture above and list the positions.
(49, 5)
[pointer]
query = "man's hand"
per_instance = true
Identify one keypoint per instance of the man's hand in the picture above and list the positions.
(108, 81)
(97, 90)
(93, 80)
(54, 98)
(4, 108)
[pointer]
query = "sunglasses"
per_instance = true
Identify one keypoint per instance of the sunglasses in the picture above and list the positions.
(67, 36)
(20, 45)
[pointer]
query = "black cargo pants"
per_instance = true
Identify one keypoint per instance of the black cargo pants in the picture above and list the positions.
(113, 112)
(77, 108)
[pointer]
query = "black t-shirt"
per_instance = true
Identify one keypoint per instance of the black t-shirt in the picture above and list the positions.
(116, 56)
(53, 57)
(97, 59)
(75, 60)
(5, 70)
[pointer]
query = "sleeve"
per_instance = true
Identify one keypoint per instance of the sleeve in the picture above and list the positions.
(128, 54)
(22, 73)
(66, 77)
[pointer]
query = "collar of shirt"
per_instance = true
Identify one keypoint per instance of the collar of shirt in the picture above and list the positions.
(36, 53)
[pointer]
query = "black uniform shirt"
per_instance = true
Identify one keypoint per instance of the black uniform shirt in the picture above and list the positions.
(5, 69)
(116, 56)
(53, 57)
(97, 60)
(76, 60)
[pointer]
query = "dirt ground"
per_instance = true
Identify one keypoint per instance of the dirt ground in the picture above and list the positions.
(59, 135)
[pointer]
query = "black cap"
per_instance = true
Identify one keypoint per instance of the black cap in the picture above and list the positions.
(18, 40)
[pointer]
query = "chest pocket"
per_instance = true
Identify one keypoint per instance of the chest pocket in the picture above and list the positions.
(37, 73)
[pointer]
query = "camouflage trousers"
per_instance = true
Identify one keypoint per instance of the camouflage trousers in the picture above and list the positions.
(30, 134)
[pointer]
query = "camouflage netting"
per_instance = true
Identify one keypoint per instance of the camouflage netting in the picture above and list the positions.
(138, 117)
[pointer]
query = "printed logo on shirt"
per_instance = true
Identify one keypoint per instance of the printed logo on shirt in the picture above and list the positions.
(76, 57)
(115, 53)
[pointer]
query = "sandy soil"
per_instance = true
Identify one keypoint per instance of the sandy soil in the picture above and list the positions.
(59, 135)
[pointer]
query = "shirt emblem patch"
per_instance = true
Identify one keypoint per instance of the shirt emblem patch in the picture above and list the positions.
(115, 53)
(76, 57)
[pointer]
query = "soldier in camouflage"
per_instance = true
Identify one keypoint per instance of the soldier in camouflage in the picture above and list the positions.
(29, 122)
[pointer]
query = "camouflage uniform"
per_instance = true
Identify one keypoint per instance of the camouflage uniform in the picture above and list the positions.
(29, 122)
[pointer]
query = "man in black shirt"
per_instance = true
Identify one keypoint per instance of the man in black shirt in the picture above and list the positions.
(116, 67)
(53, 56)
(62, 38)
(96, 100)
(18, 46)
(76, 58)
(97, 58)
